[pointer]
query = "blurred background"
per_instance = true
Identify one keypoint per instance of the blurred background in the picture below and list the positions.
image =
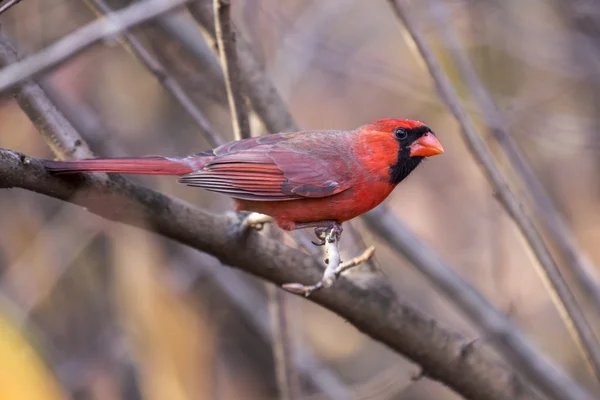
(96, 310)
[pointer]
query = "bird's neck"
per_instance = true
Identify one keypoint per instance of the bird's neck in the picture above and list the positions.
(403, 168)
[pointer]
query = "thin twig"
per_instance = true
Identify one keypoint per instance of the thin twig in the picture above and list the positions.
(226, 39)
(264, 97)
(135, 46)
(334, 269)
(378, 313)
(585, 271)
(575, 319)
(7, 5)
(184, 30)
(73, 44)
(287, 378)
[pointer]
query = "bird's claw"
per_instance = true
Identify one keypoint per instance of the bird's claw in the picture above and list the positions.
(250, 220)
(323, 231)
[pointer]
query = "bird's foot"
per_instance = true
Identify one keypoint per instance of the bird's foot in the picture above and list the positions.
(333, 262)
(250, 220)
(322, 231)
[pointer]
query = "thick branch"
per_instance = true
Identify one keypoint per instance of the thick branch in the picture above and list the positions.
(374, 310)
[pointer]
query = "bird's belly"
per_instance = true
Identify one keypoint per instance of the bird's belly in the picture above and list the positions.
(340, 207)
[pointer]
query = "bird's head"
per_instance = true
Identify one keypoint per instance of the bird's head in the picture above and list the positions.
(408, 142)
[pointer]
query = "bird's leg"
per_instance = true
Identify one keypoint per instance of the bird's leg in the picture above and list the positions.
(321, 229)
(334, 264)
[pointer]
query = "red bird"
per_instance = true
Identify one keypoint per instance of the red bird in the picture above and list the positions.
(302, 179)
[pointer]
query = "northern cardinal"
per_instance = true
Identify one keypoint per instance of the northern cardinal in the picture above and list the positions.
(302, 179)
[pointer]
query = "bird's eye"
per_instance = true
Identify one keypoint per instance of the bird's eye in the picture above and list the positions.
(400, 133)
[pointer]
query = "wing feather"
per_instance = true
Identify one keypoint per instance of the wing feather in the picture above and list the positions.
(277, 167)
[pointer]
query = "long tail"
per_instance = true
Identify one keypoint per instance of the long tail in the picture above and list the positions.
(151, 165)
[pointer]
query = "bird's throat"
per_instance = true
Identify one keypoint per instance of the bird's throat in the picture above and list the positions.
(405, 165)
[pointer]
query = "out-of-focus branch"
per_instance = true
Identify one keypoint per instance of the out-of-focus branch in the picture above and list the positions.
(226, 40)
(81, 39)
(265, 100)
(4, 7)
(561, 234)
(183, 29)
(500, 332)
(62, 138)
(135, 46)
(375, 310)
(568, 304)
(248, 300)
(282, 341)
(575, 257)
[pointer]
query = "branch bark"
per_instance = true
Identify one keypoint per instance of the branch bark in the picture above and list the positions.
(375, 310)
(226, 40)
(60, 135)
(266, 101)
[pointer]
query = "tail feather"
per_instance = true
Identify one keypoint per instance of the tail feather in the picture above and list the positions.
(151, 165)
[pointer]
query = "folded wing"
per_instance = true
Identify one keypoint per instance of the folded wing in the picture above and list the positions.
(277, 167)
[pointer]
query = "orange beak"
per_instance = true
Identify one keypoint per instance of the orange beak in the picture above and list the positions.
(426, 146)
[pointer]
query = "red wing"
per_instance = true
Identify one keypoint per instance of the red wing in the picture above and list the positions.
(275, 167)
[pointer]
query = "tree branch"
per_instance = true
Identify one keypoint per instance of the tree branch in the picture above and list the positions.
(5, 7)
(131, 43)
(567, 302)
(266, 101)
(580, 329)
(81, 39)
(60, 135)
(374, 310)
(226, 40)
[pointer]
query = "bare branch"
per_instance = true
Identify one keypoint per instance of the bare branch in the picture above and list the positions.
(266, 101)
(226, 39)
(131, 43)
(576, 321)
(81, 39)
(472, 373)
(504, 195)
(7, 5)
(287, 378)
(62, 138)
(248, 300)
(502, 334)
(576, 258)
